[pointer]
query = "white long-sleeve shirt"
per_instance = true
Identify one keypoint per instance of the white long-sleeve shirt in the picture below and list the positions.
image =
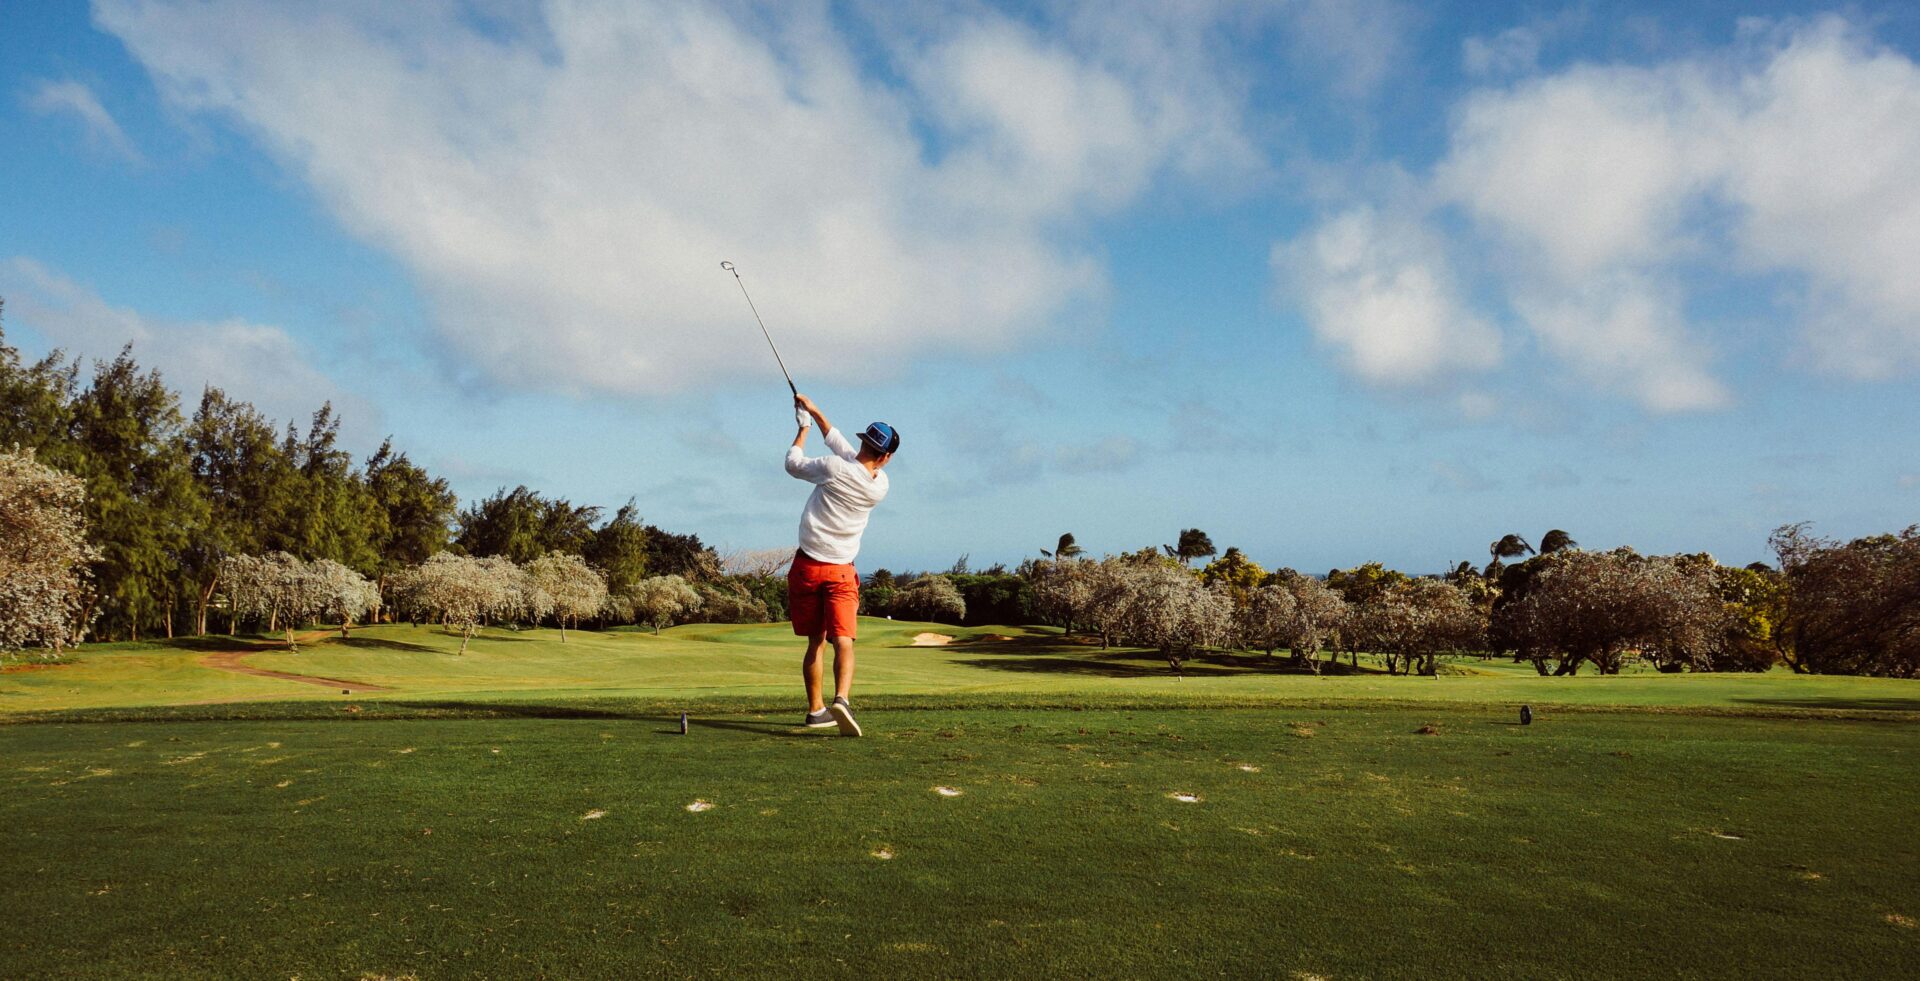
(843, 496)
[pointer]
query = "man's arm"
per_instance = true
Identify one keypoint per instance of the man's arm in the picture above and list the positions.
(835, 439)
(813, 470)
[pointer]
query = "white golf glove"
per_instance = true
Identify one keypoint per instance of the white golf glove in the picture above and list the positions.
(800, 416)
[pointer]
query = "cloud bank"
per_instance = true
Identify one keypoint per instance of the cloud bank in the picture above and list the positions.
(257, 363)
(1598, 201)
(563, 182)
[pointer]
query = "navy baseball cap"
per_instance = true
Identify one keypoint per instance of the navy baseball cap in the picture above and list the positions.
(881, 438)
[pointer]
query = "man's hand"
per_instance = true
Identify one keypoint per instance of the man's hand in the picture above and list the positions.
(805, 404)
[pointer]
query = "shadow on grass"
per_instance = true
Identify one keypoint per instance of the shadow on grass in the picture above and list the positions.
(1138, 665)
(1842, 702)
(382, 644)
(522, 710)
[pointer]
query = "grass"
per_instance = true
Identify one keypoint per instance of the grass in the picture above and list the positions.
(692, 663)
(1596, 844)
(523, 811)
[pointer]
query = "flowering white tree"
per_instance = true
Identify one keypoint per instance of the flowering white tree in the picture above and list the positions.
(345, 595)
(44, 555)
(931, 598)
(568, 586)
(519, 597)
(461, 591)
(657, 600)
(1262, 622)
(1317, 611)
(1167, 607)
(277, 588)
(1063, 588)
(1414, 622)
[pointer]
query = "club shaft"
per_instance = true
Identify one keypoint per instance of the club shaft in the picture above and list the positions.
(763, 326)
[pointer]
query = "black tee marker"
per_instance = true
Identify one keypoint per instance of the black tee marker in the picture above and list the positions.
(683, 723)
(1526, 715)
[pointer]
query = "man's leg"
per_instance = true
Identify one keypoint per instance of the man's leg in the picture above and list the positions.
(842, 668)
(813, 668)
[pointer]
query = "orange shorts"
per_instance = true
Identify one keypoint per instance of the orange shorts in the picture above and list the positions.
(823, 599)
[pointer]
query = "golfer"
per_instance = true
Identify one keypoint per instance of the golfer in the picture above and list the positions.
(823, 590)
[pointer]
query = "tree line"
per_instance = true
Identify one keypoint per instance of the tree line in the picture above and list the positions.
(1826, 607)
(164, 497)
(122, 515)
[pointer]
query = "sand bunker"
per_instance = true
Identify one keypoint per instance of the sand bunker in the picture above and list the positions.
(932, 640)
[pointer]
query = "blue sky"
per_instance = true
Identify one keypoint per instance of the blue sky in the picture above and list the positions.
(1334, 281)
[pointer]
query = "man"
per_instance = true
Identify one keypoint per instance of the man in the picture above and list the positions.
(823, 590)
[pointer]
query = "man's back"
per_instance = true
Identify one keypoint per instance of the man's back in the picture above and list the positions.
(844, 494)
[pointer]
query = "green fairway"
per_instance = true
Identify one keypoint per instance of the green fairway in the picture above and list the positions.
(523, 810)
(1331, 843)
(703, 661)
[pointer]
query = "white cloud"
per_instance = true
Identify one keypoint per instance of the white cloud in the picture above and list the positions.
(258, 363)
(1379, 291)
(1607, 197)
(1830, 138)
(1587, 169)
(75, 98)
(1514, 50)
(1362, 42)
(1627, 335)
(564, 188)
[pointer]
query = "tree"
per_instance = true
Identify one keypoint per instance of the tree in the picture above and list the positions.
(1414, 622)
(1505, 547)
(460, 590)
(931, 598)
(1364, 582)
(1852, 608)
(1260, 622)
(1062, 590)
(143, 507)
(1193, 544)
(331, 514)
(522, 525)
(36, 406)
(416, 510)
(1601, 607)
(1066, 548)
(345, 595)
(573, 588)
(1167, 608)
(44, 555)
(1556, 541)
(1235, 573)
(669, 554)
(278, 589)
(619, 549)
(237, 461)
(1316, 613)
(659, 600)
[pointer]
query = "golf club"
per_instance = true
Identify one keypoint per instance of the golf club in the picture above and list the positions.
(728, 266)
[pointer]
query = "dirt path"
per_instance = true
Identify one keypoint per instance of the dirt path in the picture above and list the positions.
(230, 661)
